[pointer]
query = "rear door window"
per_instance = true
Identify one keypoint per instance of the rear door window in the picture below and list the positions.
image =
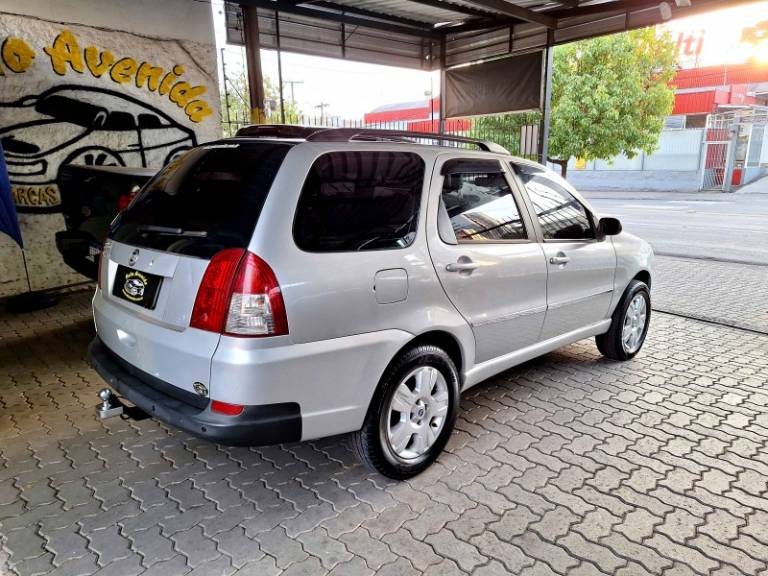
(479, 202)
(205, 201)
(353, 201)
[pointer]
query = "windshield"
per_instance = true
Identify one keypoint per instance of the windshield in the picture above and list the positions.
(205, 201)
(70, 110)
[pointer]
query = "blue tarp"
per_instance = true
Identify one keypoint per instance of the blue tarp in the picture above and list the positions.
(9, 222)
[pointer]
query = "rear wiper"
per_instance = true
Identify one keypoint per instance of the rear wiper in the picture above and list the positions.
(172, 231)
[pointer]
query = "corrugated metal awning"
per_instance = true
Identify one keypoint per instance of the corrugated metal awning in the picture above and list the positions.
(414, 33)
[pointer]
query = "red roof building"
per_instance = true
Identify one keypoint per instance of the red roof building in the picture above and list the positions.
(701, 91)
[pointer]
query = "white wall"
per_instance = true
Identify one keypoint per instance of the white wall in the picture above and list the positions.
(177, 19)
(108, 42)
(678, 150)
(673, 166)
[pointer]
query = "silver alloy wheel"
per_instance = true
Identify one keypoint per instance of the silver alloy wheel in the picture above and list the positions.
(634, 324)
(417, 412)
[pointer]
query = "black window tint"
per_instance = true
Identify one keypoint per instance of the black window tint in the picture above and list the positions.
(480, 203)
(561, 215)
(360, 201)
(206, 200)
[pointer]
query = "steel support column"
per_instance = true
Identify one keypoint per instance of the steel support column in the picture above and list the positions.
(441, 121)
(546, 104)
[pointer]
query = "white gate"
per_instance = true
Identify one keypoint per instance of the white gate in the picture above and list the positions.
(717, 149)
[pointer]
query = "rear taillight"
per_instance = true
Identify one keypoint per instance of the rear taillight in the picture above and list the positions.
(125, 199)
(240, 296)
(98, 272)
(103, 267)
(256, 307)
(212, 301)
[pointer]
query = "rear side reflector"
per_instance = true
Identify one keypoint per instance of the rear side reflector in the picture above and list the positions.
(227, 409)
(239, 296)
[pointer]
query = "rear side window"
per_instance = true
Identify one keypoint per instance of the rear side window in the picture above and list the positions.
(205, 201)
(354, 201)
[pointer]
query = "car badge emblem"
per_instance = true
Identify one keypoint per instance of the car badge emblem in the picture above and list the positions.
(134, 286)
(134, 257)
(200, 389)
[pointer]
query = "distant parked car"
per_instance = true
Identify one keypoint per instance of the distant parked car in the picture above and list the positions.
(283, 286)
(86, 125)
(91, 197)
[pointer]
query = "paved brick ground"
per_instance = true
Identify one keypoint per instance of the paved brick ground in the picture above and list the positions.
(567, 465)
(725, 292)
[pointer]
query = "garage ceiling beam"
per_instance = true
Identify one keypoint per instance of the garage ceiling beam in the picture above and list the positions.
(515, 11)
(569, 3)
(422, 31)
(462, 9)
(604, 7)
(344, 9)
(480, 24)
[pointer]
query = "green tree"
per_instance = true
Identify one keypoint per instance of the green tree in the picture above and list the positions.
(610, 95)
(504, 129)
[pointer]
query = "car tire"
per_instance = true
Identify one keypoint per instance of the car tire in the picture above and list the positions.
(614, 344)
(383, 444)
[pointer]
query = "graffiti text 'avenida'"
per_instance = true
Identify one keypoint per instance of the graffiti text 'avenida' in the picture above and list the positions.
(65, 54)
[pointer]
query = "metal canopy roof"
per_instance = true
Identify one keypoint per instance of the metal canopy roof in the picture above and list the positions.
(431, 34)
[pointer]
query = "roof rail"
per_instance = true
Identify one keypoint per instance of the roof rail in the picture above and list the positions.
(277, 131)
(322, 134)
(347, 134)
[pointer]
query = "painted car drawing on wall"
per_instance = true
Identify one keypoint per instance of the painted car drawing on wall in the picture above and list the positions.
(85, 125)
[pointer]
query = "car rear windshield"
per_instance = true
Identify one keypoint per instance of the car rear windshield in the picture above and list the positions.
(205, 201)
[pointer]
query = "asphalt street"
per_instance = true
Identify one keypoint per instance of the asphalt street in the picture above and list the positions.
(717, 226)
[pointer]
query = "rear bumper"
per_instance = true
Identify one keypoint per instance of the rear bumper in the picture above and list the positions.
(255, 426)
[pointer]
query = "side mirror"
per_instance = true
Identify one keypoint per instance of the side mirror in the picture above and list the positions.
(609, 226)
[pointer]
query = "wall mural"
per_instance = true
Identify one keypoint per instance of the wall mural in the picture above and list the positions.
(83, 119)
(76, 94)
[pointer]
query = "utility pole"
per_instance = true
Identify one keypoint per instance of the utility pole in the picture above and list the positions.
(292, 83)
(226, 90)
(322, 106)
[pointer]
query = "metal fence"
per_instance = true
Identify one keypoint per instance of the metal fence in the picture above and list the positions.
(523, 144)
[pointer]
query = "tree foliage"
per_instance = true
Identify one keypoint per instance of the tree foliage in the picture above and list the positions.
(610, 95)
(504, 129)
(238, 113)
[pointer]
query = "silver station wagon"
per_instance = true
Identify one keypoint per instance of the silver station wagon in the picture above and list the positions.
(294, 283)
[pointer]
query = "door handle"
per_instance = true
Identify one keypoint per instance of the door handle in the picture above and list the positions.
(560, 258)
(461, 266)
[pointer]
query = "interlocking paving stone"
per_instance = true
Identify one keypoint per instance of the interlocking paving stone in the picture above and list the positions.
(568, 465)
(733, 294)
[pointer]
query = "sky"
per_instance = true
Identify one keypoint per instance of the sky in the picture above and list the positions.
(352, 88)
(717, 36)
(349, 88)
